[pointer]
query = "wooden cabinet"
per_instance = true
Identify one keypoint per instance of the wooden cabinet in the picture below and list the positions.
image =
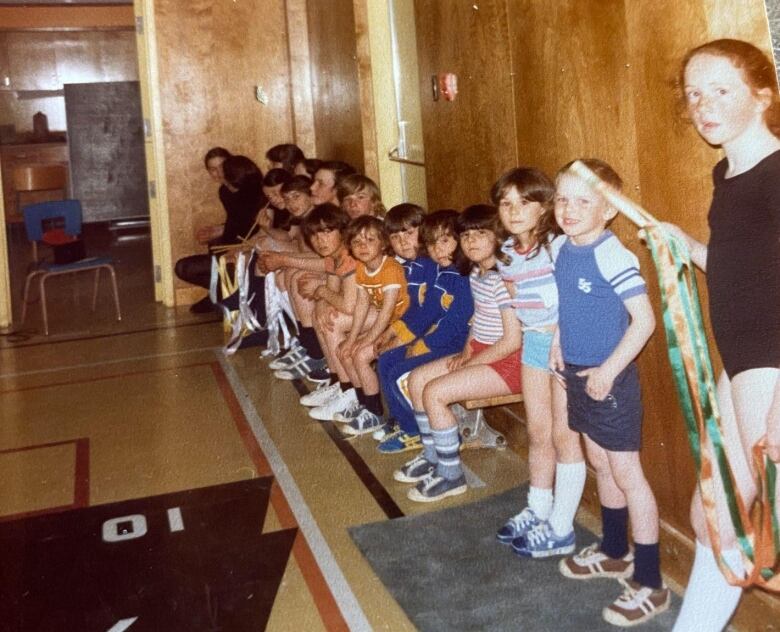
(12, 156)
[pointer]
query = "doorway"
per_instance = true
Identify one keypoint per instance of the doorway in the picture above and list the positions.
(43, 67)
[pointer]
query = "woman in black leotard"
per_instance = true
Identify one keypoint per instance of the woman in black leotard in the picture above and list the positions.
(732, 100)
(242, 197)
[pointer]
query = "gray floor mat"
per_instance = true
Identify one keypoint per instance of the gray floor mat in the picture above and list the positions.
(448, 572)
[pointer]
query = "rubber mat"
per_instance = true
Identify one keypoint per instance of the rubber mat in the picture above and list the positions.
(448, 572)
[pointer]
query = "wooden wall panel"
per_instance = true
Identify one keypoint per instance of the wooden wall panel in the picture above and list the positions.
(45, 60)
(335, 81)
(65, 17)
(300, 76)
(211, 56)
(471, 140)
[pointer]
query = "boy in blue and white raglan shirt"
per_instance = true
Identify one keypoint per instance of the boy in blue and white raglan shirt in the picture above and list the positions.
(605, 319)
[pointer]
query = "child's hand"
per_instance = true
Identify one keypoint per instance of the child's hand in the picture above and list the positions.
(346, 349)
(271, 260)
(556, 364)
(264, 219)
(308, 284)
(459, 359)
(599, 382)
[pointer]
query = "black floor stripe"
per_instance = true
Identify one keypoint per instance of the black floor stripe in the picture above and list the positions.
(364, 473)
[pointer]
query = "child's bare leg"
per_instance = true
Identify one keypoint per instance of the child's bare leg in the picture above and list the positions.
(538, 407)
(420, 377)
(363, 359)
(304, 307)
(342, 323)
(630, 479)
(570, 470)
(465, 383)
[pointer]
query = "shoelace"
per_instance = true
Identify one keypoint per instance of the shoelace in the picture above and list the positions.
(629, 592)
(538, 534)
(587, 552)
(430, 481)
(524, 519)
(415, 462)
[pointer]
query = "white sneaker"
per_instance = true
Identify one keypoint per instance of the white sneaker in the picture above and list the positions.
(321, 395)
(349, 413)
(338, 404)
(289, 359)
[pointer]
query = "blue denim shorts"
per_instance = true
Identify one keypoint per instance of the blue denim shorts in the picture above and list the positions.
(614, 423)
(536, 349)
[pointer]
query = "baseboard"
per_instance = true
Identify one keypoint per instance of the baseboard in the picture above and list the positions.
(758, 610)
(189, 295)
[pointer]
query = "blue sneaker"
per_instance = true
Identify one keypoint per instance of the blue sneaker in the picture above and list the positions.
(434, 487)
(517, 526)
(400, 441)
(541, 541)
(365, 422)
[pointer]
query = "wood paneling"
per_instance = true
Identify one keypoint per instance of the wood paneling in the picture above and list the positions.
(335, 81)
(300, 76)
(66, 17)
(211, 56)
(47, 60)
(471, 140)
(591, 78)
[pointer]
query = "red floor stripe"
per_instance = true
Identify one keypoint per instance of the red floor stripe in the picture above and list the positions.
(318, 587)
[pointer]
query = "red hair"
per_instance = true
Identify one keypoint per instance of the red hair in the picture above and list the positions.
(757, 69)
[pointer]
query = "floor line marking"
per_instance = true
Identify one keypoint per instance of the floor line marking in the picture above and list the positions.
(342, 592)
(89, 365)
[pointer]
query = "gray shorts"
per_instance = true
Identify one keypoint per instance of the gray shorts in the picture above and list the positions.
(615, 423)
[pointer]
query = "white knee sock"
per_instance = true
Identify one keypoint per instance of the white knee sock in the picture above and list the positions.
(569, 483)
(709, 599)
(540, 501)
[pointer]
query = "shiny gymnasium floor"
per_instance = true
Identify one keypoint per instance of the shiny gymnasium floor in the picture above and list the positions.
(105, 412)
(138, 450)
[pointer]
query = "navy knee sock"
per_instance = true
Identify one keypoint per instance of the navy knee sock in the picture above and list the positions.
(647, 565)
(374, 404)
(308, 338)
(615, 526)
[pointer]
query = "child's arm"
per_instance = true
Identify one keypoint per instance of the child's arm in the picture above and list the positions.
(339, 293)
(508, 343)
(459, 359)
(601, 378)
(417, 320)
(300, 260)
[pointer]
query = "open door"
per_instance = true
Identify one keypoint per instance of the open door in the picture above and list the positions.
(153, 149)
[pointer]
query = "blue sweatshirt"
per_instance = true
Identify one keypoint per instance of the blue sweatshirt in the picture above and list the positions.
(421, 276)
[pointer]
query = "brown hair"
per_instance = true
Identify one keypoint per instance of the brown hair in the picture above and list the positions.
(365, 223)
(535, 186)
(758, 71)
(356, 182)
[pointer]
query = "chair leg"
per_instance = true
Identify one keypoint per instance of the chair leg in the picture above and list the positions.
(95, 289)
(116, 292)
(26, 296)
(42, 292)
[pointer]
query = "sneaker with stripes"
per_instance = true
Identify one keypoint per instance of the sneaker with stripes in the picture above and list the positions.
(636, 605)
(415, 470)
(542, 541)
(434, 487)
(517, 526)
(322, 394)
(591, 563)
(399, 441)
(291, 358)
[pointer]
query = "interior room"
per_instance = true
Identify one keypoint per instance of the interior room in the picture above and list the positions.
(156, 476)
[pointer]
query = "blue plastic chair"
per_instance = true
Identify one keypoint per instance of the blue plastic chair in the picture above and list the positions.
(70, 212)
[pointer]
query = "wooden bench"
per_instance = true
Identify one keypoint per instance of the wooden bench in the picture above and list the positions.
(474, 430)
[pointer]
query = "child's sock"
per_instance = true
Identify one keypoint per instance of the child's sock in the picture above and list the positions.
(345, 386)
(709, 599)
(448, 453)
(540, 501)
(569, 483)
(647, 565)
(424, 424)
(374, 404)
(615, 527)
(332, 378)
(311, 343)
(361, 396)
